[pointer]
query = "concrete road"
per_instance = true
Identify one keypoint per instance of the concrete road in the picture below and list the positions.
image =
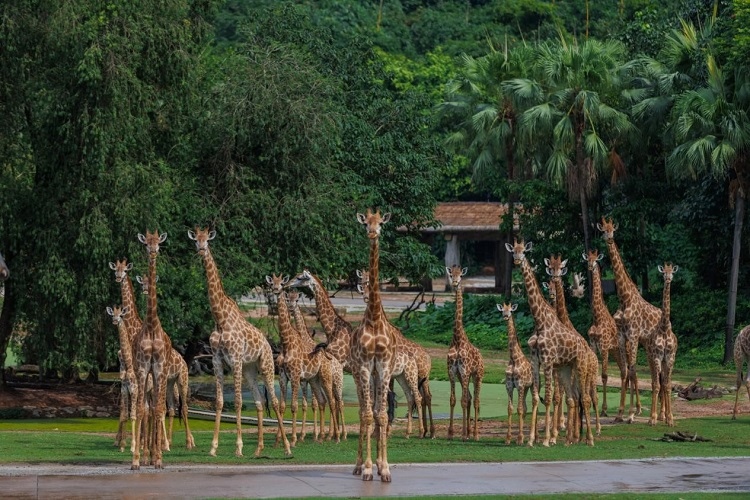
(513, 478)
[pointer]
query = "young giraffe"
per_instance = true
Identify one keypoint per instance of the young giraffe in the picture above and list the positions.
(243, 347)
(337, 373)
(338, 331)
(178, 388)
(662, 352)
(518, 374)
(603, 331)
(127, 375)
(741, 356)
(636, 320)
(299, 365)
(372, 355)
(556, 268)
(411, 370)
(464, 361)
(557, 347)
(151, 347)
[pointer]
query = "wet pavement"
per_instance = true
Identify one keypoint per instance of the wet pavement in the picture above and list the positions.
(512, 478)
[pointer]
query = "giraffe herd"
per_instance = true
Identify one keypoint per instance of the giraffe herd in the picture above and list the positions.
(154, 378)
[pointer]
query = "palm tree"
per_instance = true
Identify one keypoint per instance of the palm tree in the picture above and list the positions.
(711, 128)
(579, 80)
(485, 104)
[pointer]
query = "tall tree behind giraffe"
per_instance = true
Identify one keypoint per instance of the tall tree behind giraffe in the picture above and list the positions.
(464, 362)
(240, 345)
(636, 319)
(372, 356)
(603, 336)
(663, 350)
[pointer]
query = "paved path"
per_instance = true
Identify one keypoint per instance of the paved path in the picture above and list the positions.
(512, 478)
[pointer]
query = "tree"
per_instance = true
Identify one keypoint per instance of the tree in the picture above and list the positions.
(575, 119)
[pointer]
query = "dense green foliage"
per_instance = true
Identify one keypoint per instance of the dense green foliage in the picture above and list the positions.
(275, 122)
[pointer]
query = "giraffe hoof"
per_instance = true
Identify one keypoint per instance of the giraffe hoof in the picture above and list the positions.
(357, 471)
(366, 477)
(385, 478)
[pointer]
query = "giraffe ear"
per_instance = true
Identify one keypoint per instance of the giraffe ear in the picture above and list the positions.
(139, 279)
(584, 257)
(162, 237)
(600, 227)
(615, 226)
(129, 267)
(509, 247)
(269, 280)
(564, 271)
(675, 269)
(548, 271)
(514, 307)
(499, 307)
(564, 263)
(285, 280)
(660, 268)
(125, 310)
(191, 234)
(464, 271)
(601, 256)
(448, 270)
(545, 285)
(386, 217)
(361, 218)
(211, 235)
(110, 311)
(141, 238)
(528, 247)
(359, 273)
(112, 266)
(360, 289)
(546, 262)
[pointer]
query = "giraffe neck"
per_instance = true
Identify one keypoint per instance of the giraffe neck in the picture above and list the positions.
(125, 346)
(514, 346)
(152, 318)
(286, 331)
(132, 320)
(374, 306)
(626, 289)
(326, 312)
(299, 320)
(459, 334)
(560, 307)
(666, 301)
(539, 306)
(597, 296)
(216, 295)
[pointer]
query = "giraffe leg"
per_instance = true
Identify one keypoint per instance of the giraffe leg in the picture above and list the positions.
(238, 412)
(477, 390)
(605, 378)
(522, 392)
(295, 407)
(547, 400)
(509, 388)
(219, 392)
(303, 388)
(284, 378)
(427, 408)
(466, 407)
(534, 410)
(655, 390)
(184, 388)
(120, 436)
(452, 379)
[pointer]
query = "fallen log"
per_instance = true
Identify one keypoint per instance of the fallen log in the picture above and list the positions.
(679, 436)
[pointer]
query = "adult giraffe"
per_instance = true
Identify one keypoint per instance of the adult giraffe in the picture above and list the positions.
(636, 320)
(372, 356)
(240, 345)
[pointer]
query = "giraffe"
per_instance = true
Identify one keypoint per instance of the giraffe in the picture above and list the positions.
(556, 269)
(372, 356)
(636, 320)
(132, 324)
(464, 362)
(603, 335)
(413, 365)
(243, 347)
(518, 374)
(557, 347)
(337, 373)
(662, 351)
(299, 365)
(151, 347)
(127, 375)
(741, 356)
(178, 387)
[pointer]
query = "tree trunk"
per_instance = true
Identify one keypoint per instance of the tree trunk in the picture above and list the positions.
(739, 215)
(6, 326)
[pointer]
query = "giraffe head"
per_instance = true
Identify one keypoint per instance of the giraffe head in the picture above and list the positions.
(152, 242)
(556, 267)
(144, 284)
(373, 222)
(551, 291)
(117, 313)
(201, 237)
(578, 289)
(304, 280)
(507, 310)
(4, 271)
(592, 258)
(518, 249)
(363, 287)
(121, 268)
(608, 228)
(293, 297)
(668, 271)
(455, 273)
(277, 283)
